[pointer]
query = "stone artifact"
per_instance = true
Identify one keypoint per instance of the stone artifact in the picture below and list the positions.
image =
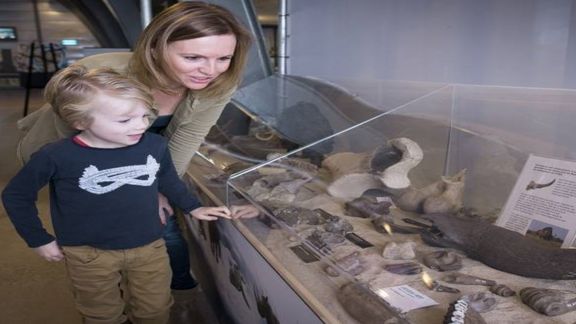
(385, 221)
(443, 261)
(407, 268)
(399, 251)
(366, 307)
(460, 312)
(350, 263)
(464, 279)
(368, 207)
(278, 189)
(502, 290)
(481, 302)
(436, 286)
(340, 226)
(325, 240)
(294, 216)
(500, 248)
(549, 302)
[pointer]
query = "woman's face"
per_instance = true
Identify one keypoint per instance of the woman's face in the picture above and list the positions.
(197, 62)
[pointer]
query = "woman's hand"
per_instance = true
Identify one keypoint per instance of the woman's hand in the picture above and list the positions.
(211, 213)
(244, 211)
(50, 252)
(164, 208)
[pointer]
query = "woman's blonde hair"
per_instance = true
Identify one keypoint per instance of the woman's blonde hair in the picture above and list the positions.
(183, 21)
(72, 91)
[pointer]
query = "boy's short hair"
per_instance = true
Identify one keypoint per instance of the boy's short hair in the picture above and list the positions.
(73, 89)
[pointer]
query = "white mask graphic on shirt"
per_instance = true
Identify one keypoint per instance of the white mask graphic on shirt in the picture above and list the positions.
(117, 177)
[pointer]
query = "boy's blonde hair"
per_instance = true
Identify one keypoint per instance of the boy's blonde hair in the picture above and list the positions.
(72, 91)
(183, 21)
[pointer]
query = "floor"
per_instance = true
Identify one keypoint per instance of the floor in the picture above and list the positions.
(33, 291)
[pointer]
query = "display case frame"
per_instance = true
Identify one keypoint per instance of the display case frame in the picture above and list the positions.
(457, 127)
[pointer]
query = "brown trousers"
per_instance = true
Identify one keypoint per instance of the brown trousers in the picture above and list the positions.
(96, 275)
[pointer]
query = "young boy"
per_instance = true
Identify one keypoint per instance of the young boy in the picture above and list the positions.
(104, 185)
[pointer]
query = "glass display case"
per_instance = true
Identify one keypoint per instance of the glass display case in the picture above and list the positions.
(380, 205)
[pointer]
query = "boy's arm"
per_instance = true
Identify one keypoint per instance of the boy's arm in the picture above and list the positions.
(177, 192)
(171, 186)
(20, 195)
(50, 252)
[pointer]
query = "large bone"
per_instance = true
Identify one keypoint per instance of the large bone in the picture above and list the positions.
(354, 173)
(396, 176)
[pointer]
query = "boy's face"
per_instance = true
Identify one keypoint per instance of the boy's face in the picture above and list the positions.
(116, 122)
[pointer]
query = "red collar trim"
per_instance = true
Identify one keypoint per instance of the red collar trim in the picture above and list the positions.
(79, 141)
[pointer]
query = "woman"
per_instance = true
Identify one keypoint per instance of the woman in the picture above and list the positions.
(191, 56)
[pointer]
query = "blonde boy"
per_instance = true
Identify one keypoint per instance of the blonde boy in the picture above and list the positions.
(104, 184)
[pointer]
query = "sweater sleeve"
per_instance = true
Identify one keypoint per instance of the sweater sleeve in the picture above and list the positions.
(174, 188)
(20, 195)
(188, 128)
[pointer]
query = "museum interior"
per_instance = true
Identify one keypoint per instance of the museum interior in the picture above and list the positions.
(403, 161)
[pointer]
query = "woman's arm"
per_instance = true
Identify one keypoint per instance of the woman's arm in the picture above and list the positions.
(41, 127)
(188, 129)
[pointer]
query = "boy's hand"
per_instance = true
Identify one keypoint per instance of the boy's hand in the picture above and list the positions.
(164, 208)
(211, 213)
(50, 252)
(244, 211)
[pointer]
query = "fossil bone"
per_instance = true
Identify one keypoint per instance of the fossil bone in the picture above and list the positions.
(502, 290)
(501, 248)
(396, 176)
(442, 196)
(354, 173)
(411, 200)
(340, 164)
(450, 200)
(351, 186)
(549, 302)
(366, 307)
(461, 312)
(464, 279)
